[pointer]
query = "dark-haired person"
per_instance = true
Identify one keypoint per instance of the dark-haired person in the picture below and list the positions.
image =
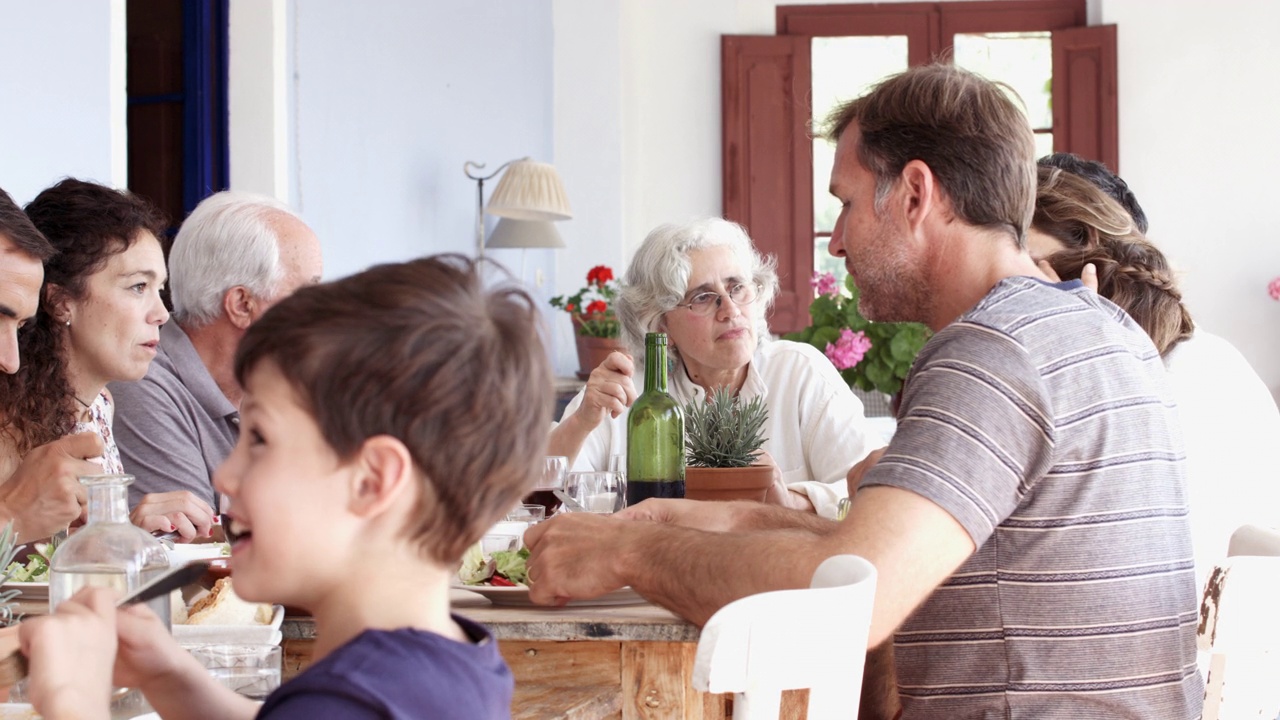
(1103, 179)
(1032, 561)
(99, 321)
(41, 495)
(1230, 421)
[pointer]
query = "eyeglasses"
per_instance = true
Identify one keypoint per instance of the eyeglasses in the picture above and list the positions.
(705, 303)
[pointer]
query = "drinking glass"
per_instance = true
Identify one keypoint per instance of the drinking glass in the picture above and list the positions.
(597, 492)
(553, 473)
(618, 464)
(251, 670)
(532, 514)
(495, 542)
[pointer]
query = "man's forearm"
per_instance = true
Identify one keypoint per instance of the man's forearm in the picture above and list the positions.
(749, 516)
(695, 573)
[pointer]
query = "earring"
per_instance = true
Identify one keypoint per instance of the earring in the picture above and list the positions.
(68, 323)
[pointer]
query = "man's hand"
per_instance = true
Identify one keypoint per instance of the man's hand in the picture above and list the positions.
(71, 654)
(575, 556)
(44, 494)
(180, 510)
(856, 473)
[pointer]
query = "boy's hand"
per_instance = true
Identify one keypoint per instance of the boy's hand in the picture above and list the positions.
(70, 655)
(147, 652)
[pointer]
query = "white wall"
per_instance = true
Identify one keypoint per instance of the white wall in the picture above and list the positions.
(61, 94)
(1200, 146)
(1198, 140)
(390, 104)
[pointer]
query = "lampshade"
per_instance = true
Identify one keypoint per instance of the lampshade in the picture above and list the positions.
(530, 190)
(511, 233)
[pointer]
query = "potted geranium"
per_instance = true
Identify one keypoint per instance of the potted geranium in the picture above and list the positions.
(595, 325)
(871, 356)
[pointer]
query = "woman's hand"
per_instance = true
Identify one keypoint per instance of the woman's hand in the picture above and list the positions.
(610, 390)
(779, 493)
(1088, 274)
(71, 653)
(854, 478)
(180, 510)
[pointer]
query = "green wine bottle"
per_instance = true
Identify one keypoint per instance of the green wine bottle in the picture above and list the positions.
(655, 432)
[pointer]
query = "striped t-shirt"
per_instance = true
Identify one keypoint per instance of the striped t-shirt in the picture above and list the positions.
(1041, 421)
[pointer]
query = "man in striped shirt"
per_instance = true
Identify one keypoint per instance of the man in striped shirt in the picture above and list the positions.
(1029, 519)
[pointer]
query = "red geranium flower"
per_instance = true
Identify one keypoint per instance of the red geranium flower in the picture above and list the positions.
(591, 307)
(599, 275)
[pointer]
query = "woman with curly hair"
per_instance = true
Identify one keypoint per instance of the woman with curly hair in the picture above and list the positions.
(98, 321)
(1229, 420)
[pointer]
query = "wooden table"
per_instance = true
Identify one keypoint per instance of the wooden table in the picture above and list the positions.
(627, 661)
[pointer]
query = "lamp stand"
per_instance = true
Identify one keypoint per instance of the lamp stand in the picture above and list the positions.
(467, 167)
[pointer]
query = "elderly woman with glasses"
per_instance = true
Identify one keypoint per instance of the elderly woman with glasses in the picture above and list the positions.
(706, 287)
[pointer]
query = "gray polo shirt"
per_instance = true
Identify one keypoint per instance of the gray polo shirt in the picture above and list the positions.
(174, 427)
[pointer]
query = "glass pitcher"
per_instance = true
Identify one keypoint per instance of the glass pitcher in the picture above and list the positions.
(109, 551)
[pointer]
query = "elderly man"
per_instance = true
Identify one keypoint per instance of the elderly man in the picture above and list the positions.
(1029, 518)
(43, 494)
(235, 256)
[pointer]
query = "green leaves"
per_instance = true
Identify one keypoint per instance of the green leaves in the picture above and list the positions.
(723, 432)
(894, 346)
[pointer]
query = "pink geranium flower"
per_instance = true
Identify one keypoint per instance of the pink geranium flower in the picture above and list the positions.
(1273, 289)
(824, 283)
(849, 349)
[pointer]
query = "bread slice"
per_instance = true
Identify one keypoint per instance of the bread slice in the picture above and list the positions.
(222, 607)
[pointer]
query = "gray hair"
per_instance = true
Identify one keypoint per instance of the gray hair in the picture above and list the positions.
(658, 276)
(226, 241)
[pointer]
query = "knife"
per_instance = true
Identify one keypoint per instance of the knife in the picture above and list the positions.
(569, 502)
(14, 667)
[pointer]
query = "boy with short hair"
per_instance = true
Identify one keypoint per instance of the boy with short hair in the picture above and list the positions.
(389, 419)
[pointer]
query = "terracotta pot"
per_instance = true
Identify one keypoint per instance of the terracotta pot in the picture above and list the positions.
(745, 483)
(592, 351)
(8, 643)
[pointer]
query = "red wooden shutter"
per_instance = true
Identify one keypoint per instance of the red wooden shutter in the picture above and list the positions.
(1085, 112)
(768, 159)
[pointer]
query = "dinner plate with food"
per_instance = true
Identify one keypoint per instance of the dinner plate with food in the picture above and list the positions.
(31, 578)
(502, 577)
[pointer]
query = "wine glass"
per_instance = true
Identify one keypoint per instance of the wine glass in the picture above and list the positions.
(553, 474)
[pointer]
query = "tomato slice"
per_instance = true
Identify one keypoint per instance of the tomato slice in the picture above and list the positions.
(499, 581)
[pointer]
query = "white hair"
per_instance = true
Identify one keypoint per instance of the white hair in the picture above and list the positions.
(228, 240)
(658, 276)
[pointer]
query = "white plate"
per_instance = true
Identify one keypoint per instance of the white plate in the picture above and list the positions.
(519, 596)
(28, 591)
(268, 634)
(181, 554)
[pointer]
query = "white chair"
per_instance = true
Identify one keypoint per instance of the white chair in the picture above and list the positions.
(1254, 540)
(1240, 628)
(763, 644)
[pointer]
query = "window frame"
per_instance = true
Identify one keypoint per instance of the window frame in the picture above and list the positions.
(930, 28)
